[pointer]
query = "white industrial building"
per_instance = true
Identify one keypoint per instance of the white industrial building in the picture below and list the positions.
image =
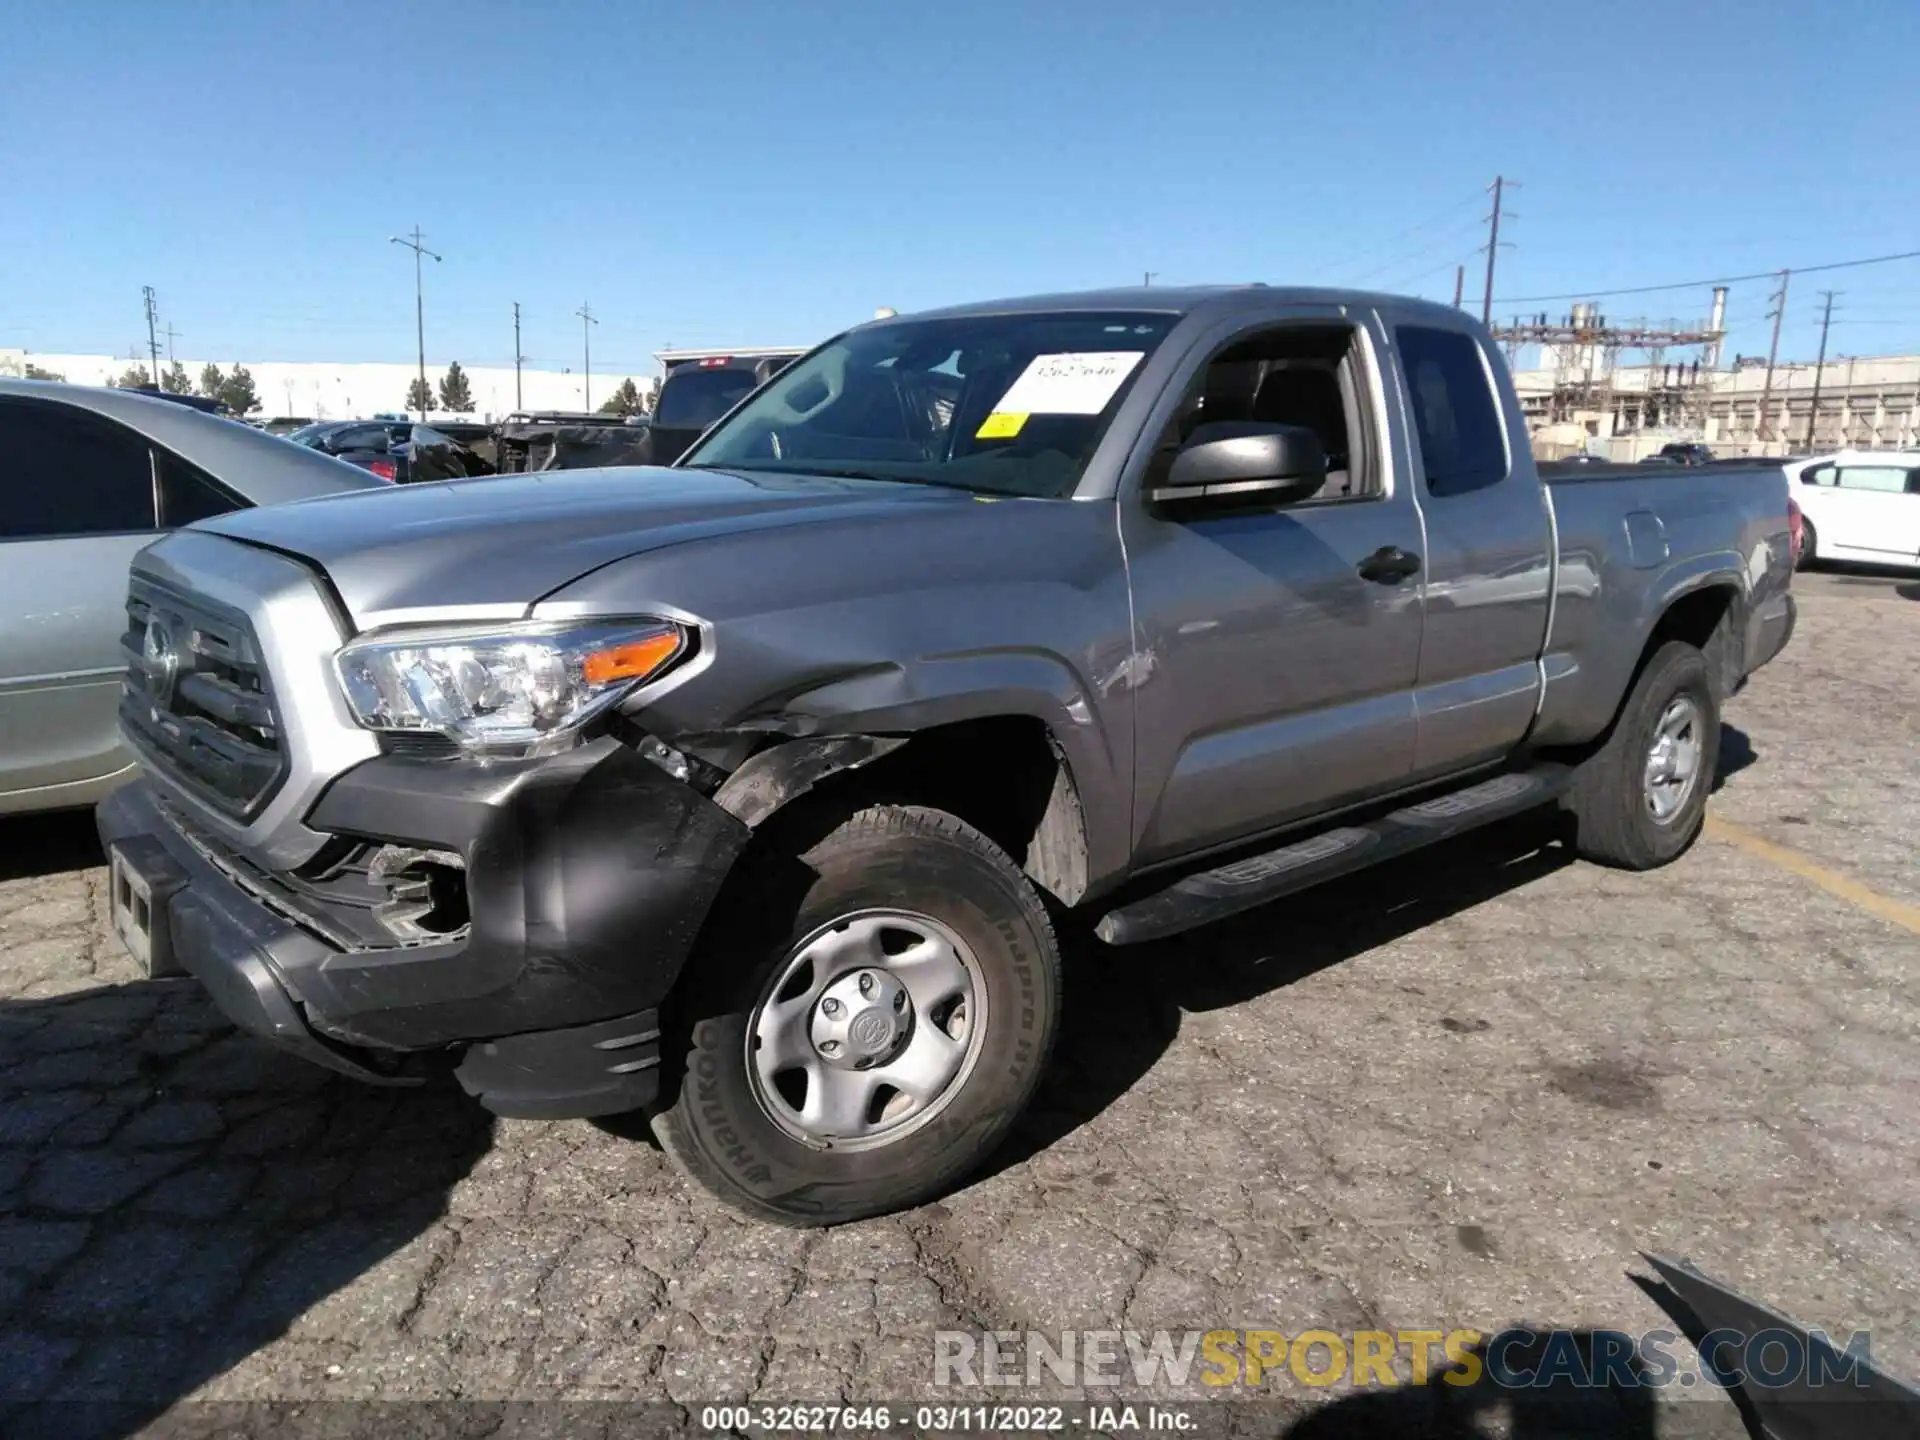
(1867, 403)
(323, 391)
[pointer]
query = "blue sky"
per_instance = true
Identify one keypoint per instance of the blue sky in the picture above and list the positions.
(764, 171)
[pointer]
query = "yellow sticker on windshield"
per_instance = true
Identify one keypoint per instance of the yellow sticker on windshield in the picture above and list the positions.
(1000, 425)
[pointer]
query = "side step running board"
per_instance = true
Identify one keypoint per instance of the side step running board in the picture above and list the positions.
(1216, 894)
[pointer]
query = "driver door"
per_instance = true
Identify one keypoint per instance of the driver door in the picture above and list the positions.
(1273, 679)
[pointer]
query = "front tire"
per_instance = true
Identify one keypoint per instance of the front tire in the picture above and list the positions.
(1639, 800)
(864, 1020)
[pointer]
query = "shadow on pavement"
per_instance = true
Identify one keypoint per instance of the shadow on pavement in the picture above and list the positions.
(174, 1195)
(32, 846)
(1736, 754)
(1566, 1407)
(1124, 1005)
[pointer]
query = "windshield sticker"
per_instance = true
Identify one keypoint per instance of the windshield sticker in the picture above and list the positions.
(1074, 383)
(1000, 425)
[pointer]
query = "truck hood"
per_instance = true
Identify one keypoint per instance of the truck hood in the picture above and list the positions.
(490, 548)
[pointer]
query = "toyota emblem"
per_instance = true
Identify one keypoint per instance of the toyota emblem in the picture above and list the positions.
(160, 660)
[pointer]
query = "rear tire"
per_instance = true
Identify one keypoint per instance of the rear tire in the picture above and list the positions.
(1809, 545)
(792, 930)
(1628, 801)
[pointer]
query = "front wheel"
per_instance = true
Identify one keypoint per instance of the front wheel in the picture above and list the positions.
(864, 1024)
(1638, 801)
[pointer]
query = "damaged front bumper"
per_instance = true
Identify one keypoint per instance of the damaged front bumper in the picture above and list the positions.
(583, 880)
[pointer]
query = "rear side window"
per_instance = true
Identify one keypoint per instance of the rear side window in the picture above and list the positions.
(1886, 479)
(187, 495)
(1462, 444)
(64, 471)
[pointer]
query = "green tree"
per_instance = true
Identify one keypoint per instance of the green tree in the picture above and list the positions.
(237, 390)
(211, 380)
(419, 396)
(625, 400)
(132, 378)
(454, 393)
(175, 381)
(34, 372)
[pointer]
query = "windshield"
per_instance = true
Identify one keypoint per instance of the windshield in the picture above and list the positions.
(1004, 404)
(309, 435)
(692, 399)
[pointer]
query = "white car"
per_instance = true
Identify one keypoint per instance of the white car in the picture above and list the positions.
(1860, 505)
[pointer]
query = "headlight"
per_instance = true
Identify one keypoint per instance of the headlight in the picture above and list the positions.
(499, 687)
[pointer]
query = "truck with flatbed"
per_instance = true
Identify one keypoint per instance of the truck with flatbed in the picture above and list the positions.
(753, 794)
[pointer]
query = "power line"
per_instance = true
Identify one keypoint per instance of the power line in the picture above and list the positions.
(1717, 280)
(1776, 314)
(1500, 183)
(412, 242)
(153, 342)
(586, 355)
(1408, 234)
(1820, 365)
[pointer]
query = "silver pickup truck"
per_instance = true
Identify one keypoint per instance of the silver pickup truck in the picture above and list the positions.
(750, 793)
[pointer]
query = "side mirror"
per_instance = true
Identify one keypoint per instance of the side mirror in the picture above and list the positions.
(1245, 462)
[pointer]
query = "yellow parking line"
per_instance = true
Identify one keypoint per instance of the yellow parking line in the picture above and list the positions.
(1895, 912)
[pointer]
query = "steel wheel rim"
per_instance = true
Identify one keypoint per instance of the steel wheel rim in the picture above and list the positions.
(867, 1030)
(1674, 758)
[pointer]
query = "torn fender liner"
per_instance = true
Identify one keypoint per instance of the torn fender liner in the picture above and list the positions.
(774, 777)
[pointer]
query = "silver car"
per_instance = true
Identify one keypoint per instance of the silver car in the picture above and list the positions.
(87, 477)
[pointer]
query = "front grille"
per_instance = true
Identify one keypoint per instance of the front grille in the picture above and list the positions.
(197, 702)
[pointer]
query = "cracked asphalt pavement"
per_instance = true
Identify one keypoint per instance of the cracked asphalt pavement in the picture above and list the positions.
(1463, 1090)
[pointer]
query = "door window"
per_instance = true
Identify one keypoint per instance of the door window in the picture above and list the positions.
(1463, 444)
(64, 471)
(1882, 479)
(1304, 375)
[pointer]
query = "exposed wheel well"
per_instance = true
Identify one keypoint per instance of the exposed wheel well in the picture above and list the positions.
(1005, 776)
(1704, 619)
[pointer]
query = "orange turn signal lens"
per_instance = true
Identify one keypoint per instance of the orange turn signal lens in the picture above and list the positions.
(633, 660)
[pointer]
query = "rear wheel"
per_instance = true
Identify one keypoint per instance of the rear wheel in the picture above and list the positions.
(1809, 542)
(866, 1023)
(1639, 800)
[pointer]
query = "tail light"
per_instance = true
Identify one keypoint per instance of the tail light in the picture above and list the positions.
(1797, 526)
(384, 469)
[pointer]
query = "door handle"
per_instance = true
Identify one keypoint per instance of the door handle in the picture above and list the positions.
(1389, 565)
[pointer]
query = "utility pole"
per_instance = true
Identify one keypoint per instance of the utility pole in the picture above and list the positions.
(516, 355)
(1820, 365)
(1499, 188)
(1146, 278)
(1459, 284)
(586, 353)
(412, 242)
(172, 335)
(153, 342)
(1773, 351)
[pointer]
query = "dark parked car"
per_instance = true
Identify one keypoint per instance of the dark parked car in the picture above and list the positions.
(1687, 453)
(366, 443)
(698, 389)
(385, 446)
